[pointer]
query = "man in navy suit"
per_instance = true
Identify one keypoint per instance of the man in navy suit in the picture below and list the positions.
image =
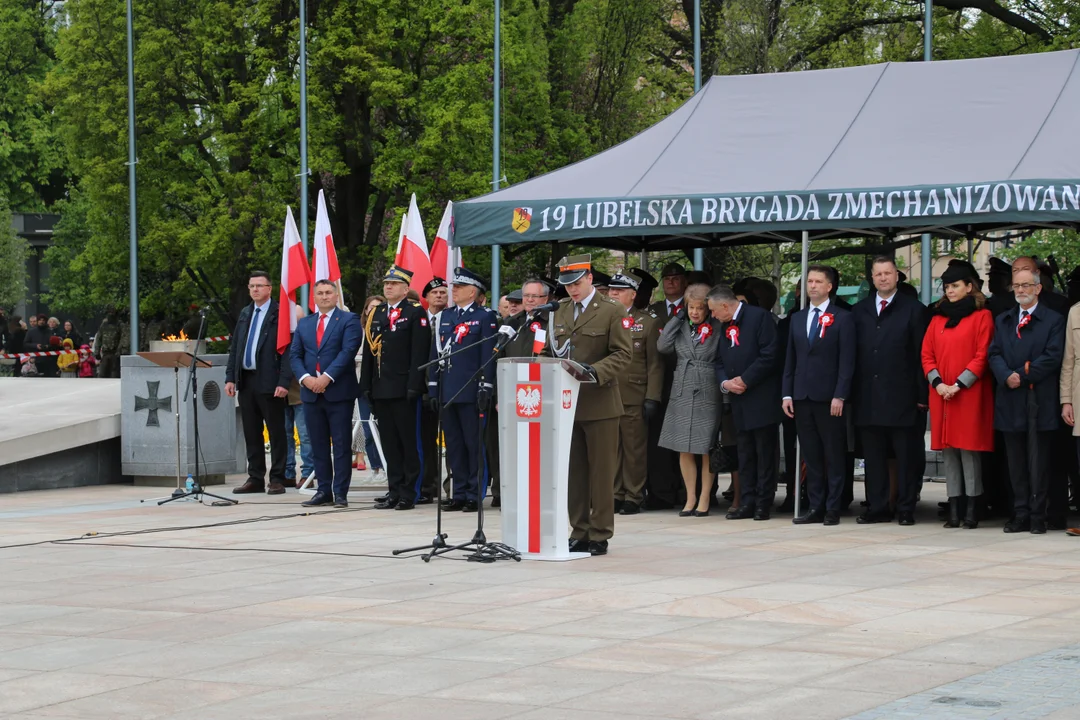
(467, 329)
(889, 392)
(747, 369)
(323, 354)
(818, 369)
(1025, 357)
(262, 377)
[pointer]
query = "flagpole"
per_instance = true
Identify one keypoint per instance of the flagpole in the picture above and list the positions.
(496, 251)
(699, 254)
(303, 144)
(927, 276)
(133, 238)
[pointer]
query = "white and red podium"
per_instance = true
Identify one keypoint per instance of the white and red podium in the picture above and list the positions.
(537, 401)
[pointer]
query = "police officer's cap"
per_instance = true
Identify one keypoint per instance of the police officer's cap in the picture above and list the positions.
(672, 269)
(623, 282)
(436, 282)
(573, 268)
(396, 273)
(464, 276)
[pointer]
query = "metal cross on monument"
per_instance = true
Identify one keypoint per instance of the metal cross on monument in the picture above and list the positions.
(152, 403)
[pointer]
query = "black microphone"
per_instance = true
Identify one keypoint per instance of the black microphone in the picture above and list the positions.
(550, 307)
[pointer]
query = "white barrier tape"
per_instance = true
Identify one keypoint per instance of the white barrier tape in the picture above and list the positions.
(13, 356)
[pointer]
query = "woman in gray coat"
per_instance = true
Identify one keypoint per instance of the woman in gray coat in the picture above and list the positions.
(693, 413)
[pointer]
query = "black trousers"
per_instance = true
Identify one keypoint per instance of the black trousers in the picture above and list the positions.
(255, 409)
(491, 450)
(758, 467)
(399, 431)
(877, 441)
(429, 444)
(1062, 467)
(664, 477)
(823, 440)
(1029, 490)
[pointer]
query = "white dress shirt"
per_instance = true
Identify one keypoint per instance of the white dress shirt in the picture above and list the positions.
(823, 307)
(254, 329)
(326, 323)
(886, 300)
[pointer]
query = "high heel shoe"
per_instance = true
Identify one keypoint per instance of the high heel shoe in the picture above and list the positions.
(686, 513)
(700, 513)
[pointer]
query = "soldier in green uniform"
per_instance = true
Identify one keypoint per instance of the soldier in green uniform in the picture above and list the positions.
(640, 386)
(109, 345)
(588, 329)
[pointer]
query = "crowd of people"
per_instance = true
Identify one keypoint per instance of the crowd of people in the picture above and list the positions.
(69, 356)
(707, 380)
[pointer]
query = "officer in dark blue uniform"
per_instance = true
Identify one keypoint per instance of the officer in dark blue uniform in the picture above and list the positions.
(468, 329)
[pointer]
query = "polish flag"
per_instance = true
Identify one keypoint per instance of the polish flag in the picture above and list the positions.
(444, 257)
(324, 264)
(294, 275)
(413, 250)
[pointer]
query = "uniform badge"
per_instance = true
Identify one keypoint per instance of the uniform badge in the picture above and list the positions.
(733, 335)
(527, 400)
(423, 322)
(460, 332)
(627, 323)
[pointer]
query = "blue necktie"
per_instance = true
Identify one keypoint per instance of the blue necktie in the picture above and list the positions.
(249, 352)
(815, 327)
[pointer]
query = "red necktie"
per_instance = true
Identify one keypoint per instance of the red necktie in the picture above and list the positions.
(318, 337)
(884, 304)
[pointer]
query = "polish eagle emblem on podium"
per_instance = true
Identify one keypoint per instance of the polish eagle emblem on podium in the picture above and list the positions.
(527, 400)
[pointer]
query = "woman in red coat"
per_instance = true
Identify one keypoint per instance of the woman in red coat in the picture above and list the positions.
(954, 358)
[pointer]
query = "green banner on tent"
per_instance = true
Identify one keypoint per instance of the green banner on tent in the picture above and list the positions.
(477, 222)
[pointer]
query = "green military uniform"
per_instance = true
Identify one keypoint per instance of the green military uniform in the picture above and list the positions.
(598, 338)
(642, 380)
(109, 347)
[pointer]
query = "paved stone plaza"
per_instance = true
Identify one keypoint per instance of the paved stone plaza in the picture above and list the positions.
(685, 618)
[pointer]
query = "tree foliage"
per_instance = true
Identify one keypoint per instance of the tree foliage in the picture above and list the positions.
(399, 101)
(13, 253)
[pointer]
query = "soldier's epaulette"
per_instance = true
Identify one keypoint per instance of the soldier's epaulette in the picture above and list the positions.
(415, 304)
(650, 313)
(610, 301)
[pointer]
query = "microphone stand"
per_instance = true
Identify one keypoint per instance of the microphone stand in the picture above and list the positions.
(193, 389)
(482, 550)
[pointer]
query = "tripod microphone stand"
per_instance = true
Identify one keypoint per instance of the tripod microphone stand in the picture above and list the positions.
(193, 389)
(483, 551)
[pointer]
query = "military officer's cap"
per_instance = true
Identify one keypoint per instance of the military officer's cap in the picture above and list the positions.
(623, 282)
(514, 296)
(464, 276)
(600, 279)
(672, 269)
(573, 268)
(1000, 267)
(396, 273)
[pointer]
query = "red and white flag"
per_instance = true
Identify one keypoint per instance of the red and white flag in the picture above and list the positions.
(324, 264)
(413, 250)
(444, 256)
(294, 275)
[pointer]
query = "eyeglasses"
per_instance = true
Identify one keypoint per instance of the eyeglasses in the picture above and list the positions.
(533, 297)
(252, 287)
(1024, 286)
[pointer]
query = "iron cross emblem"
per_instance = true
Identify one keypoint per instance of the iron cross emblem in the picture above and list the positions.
(153, 403)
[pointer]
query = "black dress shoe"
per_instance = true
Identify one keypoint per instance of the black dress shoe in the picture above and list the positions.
(250, 486)
(695, 513)
(686, 513)
(619, 505)
(832, 517)
(388, 504)
(424, 500)
(743, 513)
(340, 502)
(453, 505)
(630, 508)
(1015, 526)
(907, 518)
(871, 518)
(405, 505)
(762, 513)
(814, 517)
(496, 502)
(598, 547)
(317, 500)
(470, 506)
(1038, 527)
(579, 545)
